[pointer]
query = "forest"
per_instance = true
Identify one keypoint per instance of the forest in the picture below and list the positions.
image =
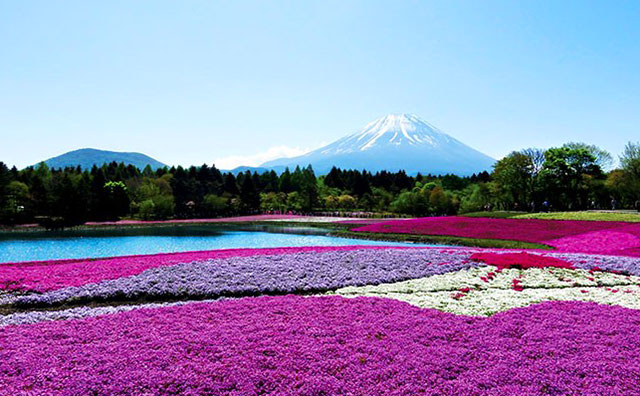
(575, 176)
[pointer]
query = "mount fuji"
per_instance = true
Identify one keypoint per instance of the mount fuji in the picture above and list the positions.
(394, 142)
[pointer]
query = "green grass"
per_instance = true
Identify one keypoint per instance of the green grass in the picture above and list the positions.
(498, 214)
(591, 215)
(587, 216)
(441, 240)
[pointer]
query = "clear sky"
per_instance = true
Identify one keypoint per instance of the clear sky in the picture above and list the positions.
(192, 82)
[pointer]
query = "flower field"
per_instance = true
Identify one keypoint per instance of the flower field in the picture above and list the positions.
(327, 345)
(301, 273)
(599, 237)
(487, 290)
(50, 275)
(355, 320)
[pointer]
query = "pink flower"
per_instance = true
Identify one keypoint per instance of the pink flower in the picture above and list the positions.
(519, 260)
(603, 237)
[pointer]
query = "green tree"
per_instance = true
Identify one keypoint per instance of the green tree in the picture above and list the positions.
(602, 157)
(309, 189)
(382, 199)
(249, 196)
(116, 200)
(215, 205)
(68, 198)
(146, 209)
(565, 176)
(286, 185)
(513, 176)
(230, 185)
(334, 179)
(331, 201)
(476, 198)
(273, 201)
(630, 162)
(164, 206)
(5, 179)
(16, 205)
(412, 203)
(295, 201)
(630, 159)
(346, 201)
(439, 202)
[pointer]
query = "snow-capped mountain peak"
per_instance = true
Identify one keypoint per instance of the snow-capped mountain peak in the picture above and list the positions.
(394, 142)
(393, 129)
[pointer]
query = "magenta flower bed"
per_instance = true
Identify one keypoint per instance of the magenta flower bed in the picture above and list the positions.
(519, 260)
(43, 276)
(325, 346)
(271, 274)
(526, 230)
(623, 240)
(601, 237)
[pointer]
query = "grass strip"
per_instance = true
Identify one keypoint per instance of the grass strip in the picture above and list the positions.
(629, 217)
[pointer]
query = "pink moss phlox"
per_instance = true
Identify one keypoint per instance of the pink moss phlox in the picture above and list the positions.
(624, 240)
(526, 230)
(44, 276)
(520, 260)
(598, 237)
(327, 345)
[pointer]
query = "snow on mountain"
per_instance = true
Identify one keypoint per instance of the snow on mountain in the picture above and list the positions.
(393, 129)
(395, 142)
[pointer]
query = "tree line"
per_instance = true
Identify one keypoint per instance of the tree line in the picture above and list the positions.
(571, 177)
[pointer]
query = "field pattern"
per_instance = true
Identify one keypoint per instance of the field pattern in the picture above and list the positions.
(355, 320)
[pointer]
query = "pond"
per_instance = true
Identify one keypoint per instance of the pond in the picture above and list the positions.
(31, 246)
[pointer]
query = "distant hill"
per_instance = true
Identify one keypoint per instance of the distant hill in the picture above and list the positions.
(87, 157)
(392, 143)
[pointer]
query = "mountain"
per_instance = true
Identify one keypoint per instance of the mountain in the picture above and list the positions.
(392, 143)
(87, 157)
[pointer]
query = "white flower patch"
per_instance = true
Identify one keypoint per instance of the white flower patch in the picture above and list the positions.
(466, 293)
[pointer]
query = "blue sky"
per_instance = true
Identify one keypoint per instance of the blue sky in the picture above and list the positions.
(190, 82)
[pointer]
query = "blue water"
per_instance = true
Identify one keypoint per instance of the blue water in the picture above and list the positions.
(14, 250)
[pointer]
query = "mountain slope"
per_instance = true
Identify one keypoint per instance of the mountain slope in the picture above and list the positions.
(395, 142)
(88, 157)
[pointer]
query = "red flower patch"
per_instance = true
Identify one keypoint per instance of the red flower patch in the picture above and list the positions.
(520, 260)
(461, 293)
(516, 285)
